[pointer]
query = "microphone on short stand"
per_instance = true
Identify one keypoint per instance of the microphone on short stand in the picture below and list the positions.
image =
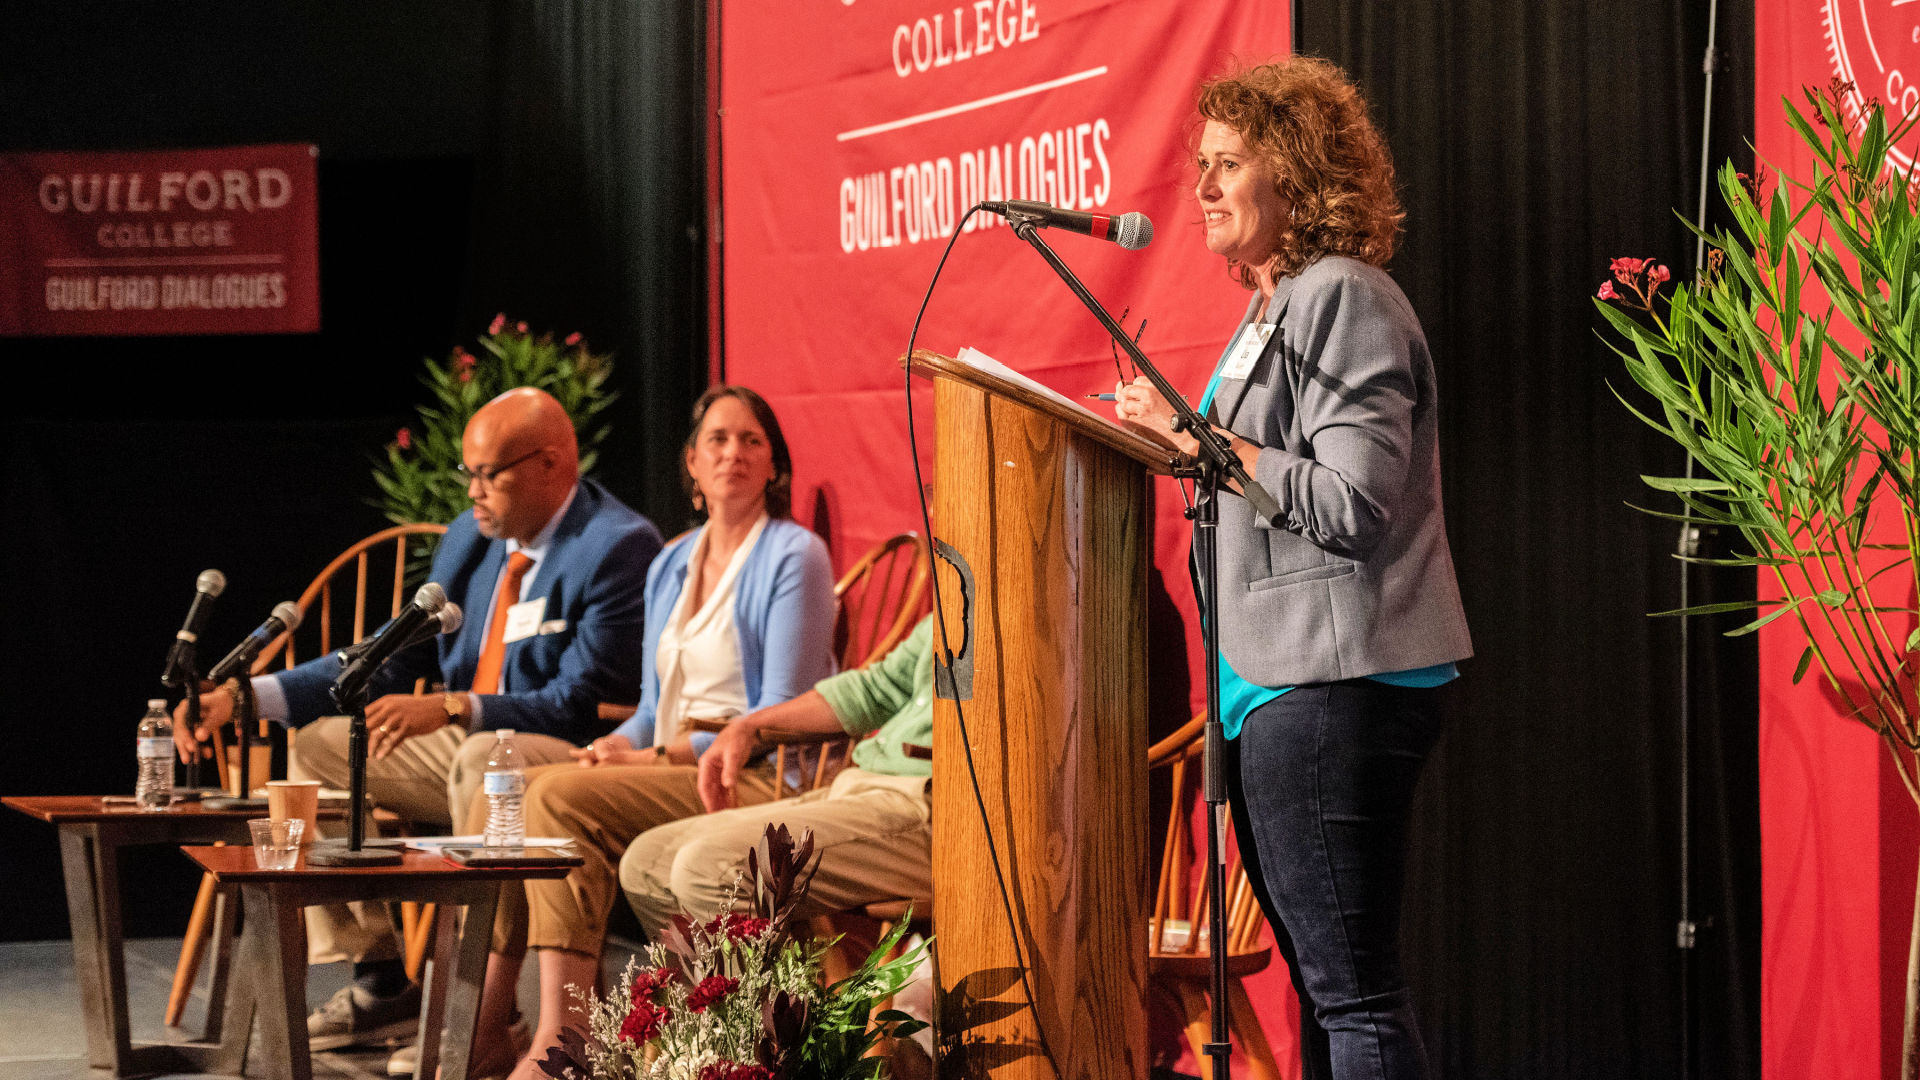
(448, 621)
(182, 657)
(1131, 230)
(350, 696)
(357, 670)
(285, 618)
(246, 710)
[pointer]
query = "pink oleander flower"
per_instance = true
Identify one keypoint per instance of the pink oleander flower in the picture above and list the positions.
(572, 339)
(463, 358)
(405, 438)
(711, 990)
(1625, 268)
(1661, 273)
(520, 327)
(498, 324)
(1607, 292)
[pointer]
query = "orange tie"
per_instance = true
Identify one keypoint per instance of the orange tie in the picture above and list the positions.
(493, 655)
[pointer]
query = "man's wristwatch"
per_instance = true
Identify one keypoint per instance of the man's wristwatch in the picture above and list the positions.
(456, 706)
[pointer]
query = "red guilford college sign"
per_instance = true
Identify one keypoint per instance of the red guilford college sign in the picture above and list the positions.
(217, 241)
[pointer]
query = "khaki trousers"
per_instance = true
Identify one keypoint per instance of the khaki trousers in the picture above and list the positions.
(421, 781)
(872, 833)
(602, 809)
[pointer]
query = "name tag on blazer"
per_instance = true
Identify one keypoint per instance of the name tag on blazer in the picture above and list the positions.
(554, 626)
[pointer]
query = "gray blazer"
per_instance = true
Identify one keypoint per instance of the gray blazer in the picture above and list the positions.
(1354, 577)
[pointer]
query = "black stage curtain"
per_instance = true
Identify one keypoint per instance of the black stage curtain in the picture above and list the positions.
(535, 158)
(1535, 141)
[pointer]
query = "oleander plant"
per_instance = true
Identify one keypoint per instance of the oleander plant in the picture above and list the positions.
(418, 473)
(1787, 371)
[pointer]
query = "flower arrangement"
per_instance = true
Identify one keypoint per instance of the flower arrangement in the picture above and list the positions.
(1787, 372)
(419, 477)
(740, 997)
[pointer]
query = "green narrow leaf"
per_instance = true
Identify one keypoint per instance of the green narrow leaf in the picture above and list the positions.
(1806, 658)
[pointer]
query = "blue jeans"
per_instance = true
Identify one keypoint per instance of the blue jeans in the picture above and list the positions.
(1322, 781)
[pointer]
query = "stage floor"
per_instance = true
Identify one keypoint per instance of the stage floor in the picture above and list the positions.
(42, 1037)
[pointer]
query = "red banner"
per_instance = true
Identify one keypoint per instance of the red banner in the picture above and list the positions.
(1838, 831)
(215, 241)
(854, 137)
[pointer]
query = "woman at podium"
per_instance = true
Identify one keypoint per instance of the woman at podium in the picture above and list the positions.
(1340, 615)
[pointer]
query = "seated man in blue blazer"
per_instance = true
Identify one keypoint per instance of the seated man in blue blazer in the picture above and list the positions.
(551, 571)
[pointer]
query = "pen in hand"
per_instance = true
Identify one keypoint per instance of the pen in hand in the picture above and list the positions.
(1102, 397)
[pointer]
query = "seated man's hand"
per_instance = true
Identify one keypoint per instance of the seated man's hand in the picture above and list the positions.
(611, 750)
(216, 708)
(395, 718)
(720, 766)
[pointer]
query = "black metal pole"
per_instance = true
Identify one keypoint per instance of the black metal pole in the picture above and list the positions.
(191, 680)
(357, 852)
(1206, 521)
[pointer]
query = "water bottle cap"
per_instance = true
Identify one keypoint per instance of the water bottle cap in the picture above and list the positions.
(157, 703)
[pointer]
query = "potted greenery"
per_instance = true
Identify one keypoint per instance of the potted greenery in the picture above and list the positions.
(419, 475)
(1787, 372)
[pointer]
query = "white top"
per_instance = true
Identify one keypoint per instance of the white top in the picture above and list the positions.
(698, 657)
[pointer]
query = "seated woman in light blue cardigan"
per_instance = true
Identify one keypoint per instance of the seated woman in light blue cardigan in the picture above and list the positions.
(740, 616)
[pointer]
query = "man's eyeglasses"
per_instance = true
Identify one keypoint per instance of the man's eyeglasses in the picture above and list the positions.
(487, 474)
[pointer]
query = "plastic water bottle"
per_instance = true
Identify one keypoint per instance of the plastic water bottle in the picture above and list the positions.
(153, 787)
(505, 785)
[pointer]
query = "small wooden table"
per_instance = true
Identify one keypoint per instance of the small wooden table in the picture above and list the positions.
(273, 944)
(92, 832)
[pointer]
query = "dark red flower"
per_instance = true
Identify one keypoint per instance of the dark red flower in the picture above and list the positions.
(644, 1021)
(404, 438)
(650, 982)
(710, 991)
(736, 926)
(498, 324)
(733, 1070)
(521, 327)
(463, 358)
(572, 339)
(466, 374)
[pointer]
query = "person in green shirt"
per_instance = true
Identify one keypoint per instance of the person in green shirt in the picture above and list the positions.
(872, 828)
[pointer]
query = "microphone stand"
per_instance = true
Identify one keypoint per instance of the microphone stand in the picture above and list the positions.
(246, 718)
(350, 696)
(1215, 465)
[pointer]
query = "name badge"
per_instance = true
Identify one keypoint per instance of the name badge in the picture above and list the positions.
(1246, 351)
(523, 619)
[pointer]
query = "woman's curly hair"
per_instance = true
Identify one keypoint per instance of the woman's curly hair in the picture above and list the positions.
(1309, 123)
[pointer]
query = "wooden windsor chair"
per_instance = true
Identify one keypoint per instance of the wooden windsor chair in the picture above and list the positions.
(349, 579)
(1179, 961)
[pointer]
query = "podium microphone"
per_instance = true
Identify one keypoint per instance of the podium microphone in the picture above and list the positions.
(285, 617)
(207, 587)
(1131, 230)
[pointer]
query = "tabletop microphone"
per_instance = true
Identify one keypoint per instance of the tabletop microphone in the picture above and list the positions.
(207, 587)
(285, 617)
(391, 638)
(1131, 230)
(448, 621)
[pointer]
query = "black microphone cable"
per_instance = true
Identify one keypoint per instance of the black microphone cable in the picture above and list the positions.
(946, 651)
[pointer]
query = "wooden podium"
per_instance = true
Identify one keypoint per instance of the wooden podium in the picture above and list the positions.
(1046, 508)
